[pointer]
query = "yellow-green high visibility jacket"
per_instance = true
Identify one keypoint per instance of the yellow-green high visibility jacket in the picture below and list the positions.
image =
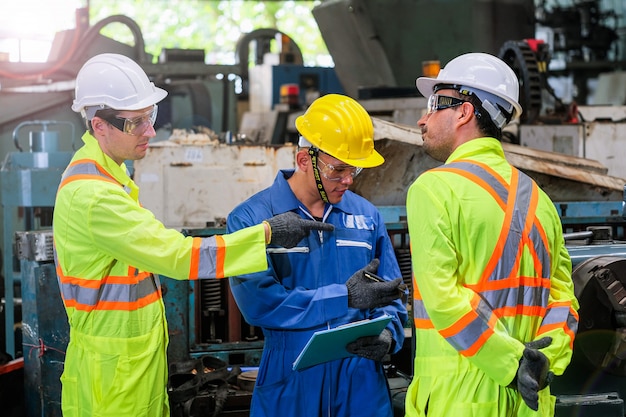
(107, 248)
(491, 272)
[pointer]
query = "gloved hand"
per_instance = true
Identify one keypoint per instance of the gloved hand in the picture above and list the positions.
(372, 347)
(533, 373)
(287, 229)
(364, 293)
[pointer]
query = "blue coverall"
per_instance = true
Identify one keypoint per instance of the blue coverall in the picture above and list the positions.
(304, 291)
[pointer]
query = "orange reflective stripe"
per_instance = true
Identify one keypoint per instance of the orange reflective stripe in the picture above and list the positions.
(562, 316)
(530, 221)
(220, 256)
(81, 282)
(472, 331)
(86, 161)
(459, 325)
(479, 343)
(504, 232)
(500, 292)
(86, 169)
(112, 292)
(195, 258)
(510, 311)
(86, 177)
(476, 179)
(423, 323)
(115, 305)
(510, 282)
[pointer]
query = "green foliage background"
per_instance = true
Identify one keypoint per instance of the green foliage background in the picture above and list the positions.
(214, 26)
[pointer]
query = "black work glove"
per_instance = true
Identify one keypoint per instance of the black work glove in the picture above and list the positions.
(372, 347)
(287, 229)
(364, 293)
(533, 373)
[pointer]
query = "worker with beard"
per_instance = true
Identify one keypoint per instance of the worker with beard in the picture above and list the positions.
(494, 307)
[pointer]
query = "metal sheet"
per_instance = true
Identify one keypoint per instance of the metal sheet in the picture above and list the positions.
(600, 140)
(563, 177)
(197, 184)
(45, 337)
(383, 42)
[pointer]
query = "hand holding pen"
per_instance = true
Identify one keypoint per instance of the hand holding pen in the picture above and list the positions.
(367, 290)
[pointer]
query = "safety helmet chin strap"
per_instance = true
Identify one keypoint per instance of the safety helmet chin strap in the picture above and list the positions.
(314, 153)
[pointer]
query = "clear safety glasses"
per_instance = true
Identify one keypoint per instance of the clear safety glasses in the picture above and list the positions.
(338, 172)
(439, 102)
(135, 125)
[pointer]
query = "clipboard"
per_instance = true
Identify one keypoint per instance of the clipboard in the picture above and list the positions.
(328, 345)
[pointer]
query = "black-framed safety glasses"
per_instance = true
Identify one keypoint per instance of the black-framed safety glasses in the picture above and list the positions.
(441, 102)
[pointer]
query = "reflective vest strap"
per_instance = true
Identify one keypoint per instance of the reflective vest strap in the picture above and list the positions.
(505, 252)
(500, 199)
(86, 169)
(519, 214)
(127, 293)
(109, 293)
(540, 239)
(505, 298)
(420, 316)
(514, 295)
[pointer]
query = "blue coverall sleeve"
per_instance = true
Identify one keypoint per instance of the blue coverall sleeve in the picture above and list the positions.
(265, 302)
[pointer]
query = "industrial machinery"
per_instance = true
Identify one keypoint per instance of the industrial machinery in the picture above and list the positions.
(29, 182)
(232, 146)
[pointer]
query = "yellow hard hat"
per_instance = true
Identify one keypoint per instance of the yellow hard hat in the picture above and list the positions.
(339, 126)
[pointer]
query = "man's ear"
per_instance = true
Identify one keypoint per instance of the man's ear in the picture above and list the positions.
(303, 160)
(98, 125)
(467, 112)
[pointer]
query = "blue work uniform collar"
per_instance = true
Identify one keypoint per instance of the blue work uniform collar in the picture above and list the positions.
(283, 199)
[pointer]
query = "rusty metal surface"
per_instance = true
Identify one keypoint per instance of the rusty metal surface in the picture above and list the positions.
(563, 177)
(195, 183)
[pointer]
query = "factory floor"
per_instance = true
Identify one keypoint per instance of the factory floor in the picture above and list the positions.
(12, 390)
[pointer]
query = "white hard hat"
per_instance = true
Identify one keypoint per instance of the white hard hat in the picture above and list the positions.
(485, 75)
(113, 81)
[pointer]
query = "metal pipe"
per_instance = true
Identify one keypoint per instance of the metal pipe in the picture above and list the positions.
(17, 301)
(578, 235)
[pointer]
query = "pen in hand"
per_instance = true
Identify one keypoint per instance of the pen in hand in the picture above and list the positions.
(402, 287)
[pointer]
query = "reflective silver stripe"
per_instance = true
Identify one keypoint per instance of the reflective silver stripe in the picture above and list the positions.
(419, 311)
(125, 293)
(83, 168)
(296, 249)
(560, 315)
(512, 297)
(523, 194)
(472, 332)
(208, 258)
(541, 251)
(88, 168)
(87, 297)
(353, 243)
